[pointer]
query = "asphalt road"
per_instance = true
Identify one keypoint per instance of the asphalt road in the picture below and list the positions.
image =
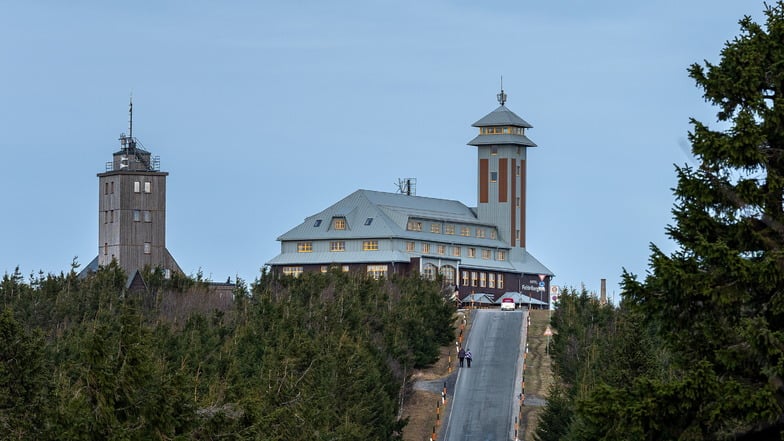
(485, 401)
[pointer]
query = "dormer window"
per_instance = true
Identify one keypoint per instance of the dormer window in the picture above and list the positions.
(414, 226)
(339, 223)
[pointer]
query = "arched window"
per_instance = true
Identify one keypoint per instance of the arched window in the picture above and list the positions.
(429, 271)
(448, 272)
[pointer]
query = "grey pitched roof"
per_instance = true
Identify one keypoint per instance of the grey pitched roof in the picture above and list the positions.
(390, 213)
(502, 139)
(501, 116)
(520, 298)
(342, 257)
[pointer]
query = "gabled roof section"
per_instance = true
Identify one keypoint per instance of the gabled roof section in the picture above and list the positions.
(502, 116)
(390, 213)
(502, 139)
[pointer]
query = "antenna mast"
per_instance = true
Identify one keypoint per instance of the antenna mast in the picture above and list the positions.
(502, 96)
(130, 117)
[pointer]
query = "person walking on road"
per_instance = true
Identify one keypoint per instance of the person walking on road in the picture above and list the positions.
(468, 357)
(461, 356)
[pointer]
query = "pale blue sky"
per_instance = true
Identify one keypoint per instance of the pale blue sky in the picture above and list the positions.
(264, 113)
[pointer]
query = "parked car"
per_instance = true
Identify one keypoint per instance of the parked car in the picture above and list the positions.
(507, 304)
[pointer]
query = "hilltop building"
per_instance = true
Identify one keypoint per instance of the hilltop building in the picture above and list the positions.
(132, 210)
(476, 249)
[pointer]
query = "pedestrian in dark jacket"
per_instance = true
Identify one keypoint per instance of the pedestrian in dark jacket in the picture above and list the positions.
(468, 357)
(461, 356)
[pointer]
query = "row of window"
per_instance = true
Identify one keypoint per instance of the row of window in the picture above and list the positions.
(338, 245)
(137, 187)
(374, 271)
(147, 248)
(339, 223)
(456, 251)
(479, 279)
(501, 131)
(435, 227)
(482, 279)
(138, 215)
(425, 248)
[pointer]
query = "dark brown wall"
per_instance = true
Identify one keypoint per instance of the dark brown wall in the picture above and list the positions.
(483, 184)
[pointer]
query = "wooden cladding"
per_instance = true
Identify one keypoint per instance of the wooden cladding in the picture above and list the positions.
(483, 181)
(522, 203)
(513, 211)
(503, 179)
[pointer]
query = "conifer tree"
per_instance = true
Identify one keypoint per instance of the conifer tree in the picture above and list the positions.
(718, 300)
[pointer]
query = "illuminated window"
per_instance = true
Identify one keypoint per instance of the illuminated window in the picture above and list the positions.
(429, 272)
(500, 255)
(339, 223)
(441, 249)
(480, 232)
(448, 273)
(482, 280)
(500, 281)
(449, 229)
(324, 268)
(473, 278)
(485, 254)
(370, 245)
(493, 234)
(148, 187)
(377, 271)
(410, 247)
(337, 246)
(344, 268)
(491, 280)
(465, 278)
(294, 271)
(472, 252)
(426, 248)
(147, 248)
(435, 228)
(465, 231)
(304, 247)
(456, 251)
(414, 226)
(137, 215)
(137, 187)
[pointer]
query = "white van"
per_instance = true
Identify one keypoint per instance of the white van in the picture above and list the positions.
(507, 304)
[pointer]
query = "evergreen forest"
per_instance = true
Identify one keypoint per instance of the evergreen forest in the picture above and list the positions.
(695, 351)
(318, 357)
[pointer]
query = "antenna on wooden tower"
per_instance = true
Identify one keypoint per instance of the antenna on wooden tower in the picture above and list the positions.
(130, 117)
(502, 96)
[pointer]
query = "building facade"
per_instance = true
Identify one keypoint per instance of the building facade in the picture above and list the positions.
(132, 210)
(476, 250)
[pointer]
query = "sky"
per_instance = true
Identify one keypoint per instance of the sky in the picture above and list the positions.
(264, 113)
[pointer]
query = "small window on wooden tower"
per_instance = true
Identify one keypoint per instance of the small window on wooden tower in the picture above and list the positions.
(137, 187)
(148, 187)
(147, 248)
(493, 176)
